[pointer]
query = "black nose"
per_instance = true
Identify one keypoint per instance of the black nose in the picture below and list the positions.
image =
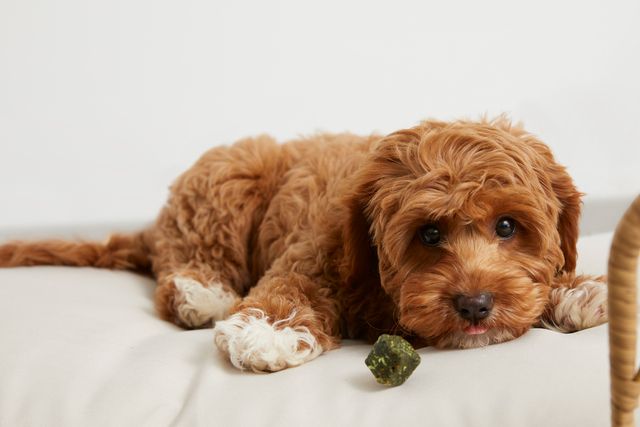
(474, 308)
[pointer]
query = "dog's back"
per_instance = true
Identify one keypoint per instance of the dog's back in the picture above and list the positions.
(228, 218)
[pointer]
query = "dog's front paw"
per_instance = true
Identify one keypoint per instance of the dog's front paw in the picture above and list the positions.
(574, 309)
(252, 342)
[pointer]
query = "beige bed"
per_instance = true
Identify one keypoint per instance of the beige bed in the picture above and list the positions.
(84, 347)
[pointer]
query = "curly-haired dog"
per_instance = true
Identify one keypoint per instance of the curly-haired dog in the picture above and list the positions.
(456, 234)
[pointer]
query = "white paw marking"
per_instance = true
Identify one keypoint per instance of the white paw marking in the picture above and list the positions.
(579, 308)
(197, 305)
(252, 342)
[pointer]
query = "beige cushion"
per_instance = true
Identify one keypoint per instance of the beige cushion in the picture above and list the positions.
(83, 347)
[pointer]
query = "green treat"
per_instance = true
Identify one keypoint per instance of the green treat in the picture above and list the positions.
(392, 360)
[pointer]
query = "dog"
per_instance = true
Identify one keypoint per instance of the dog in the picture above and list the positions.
(452, 234)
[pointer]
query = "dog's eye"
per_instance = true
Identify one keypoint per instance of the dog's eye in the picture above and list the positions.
(430, 235)
(505, 227)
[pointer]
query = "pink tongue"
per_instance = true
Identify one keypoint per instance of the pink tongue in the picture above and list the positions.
(475, 330)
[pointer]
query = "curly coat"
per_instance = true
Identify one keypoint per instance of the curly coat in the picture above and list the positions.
(300, 244)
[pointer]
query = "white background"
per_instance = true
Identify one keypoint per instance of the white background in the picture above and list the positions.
(104, 103)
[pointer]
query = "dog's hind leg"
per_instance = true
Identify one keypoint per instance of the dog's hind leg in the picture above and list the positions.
(194, 296)
(202, 244)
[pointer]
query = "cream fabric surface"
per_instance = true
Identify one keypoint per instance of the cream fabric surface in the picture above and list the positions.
(83, 347)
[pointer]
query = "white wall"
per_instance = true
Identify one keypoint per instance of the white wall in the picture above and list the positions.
(103, 103)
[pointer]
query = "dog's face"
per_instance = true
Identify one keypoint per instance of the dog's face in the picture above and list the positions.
(468, 223)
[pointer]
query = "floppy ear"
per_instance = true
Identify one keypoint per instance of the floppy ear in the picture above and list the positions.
(360, 262)
(570, 201)
(562, 187)
(368, 310)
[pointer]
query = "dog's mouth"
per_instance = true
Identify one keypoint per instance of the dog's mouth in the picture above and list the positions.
(475, 329)
(475, 336)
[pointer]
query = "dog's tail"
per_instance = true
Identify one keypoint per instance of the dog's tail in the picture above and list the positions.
(122, 252)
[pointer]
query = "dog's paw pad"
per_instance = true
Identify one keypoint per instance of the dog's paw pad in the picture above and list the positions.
(252, 342)
(196, 305)
(582, 307)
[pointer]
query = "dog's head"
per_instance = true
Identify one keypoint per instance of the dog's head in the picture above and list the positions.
(464, 226)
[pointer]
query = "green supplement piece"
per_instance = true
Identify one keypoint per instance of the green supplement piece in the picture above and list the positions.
(392, 360)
